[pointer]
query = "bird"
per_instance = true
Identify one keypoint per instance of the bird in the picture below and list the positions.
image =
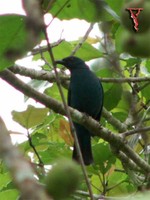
(85, 94)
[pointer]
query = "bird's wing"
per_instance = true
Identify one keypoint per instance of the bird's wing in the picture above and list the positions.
(69, 96)
(102, 99)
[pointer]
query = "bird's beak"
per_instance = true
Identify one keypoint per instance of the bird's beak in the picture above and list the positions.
(60, 62)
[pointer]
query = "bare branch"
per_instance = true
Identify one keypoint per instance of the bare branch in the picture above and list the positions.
(49, 76)
(114, 121)
(125, 80)
(78, 46)
(135, 131)
(64, 79)
(59, 11)
(44, 49)
(39, 75)
(115, 140)
(127, 162)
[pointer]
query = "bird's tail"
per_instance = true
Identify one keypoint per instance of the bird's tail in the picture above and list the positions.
(84, 140)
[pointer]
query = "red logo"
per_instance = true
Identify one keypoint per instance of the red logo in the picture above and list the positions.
(134, 16)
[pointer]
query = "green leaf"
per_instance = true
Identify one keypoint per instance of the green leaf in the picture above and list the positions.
(132, 61)
(64, 49)
(55, 150)
(9, 194)
(12, 39)
(116, 6)
(48, 131)
(120, 184)
(95, 179)
(91, 11)
(38, 84)
(5, 179)
(87, 51)
(103, 73)
(103, 156)
(30, 117)
(147, 65)
(54, 92)
(121, 111)
(112, 96)
(118, 39)
(109, 14)
(146, 93)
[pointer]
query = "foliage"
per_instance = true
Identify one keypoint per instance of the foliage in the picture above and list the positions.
(126, 90)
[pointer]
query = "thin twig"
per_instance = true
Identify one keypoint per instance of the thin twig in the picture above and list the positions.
(125, 80)
(38, 50)
(78, 46)
(62, 7)
(138, 130)
(34, 149)
(144, 86)
(69, 117)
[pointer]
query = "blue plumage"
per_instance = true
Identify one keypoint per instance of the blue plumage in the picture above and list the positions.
(86, 95)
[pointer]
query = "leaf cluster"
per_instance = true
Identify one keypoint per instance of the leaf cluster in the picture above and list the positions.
(126, 104)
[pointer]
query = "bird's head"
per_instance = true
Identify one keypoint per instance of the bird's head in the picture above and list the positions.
(72, 62)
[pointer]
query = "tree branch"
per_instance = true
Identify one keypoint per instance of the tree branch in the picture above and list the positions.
(114, 121)
(115, 140)
(127, 162)
(78, 46)
(49, 76)
(135, 131)
(38, 75)
(125, 80)
(40, 50)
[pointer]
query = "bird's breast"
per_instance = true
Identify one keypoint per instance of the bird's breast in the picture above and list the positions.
(86, 94)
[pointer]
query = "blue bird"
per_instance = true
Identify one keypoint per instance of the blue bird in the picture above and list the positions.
(86, 95)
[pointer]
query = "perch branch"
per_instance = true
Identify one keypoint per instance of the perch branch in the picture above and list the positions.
(64, 79)
(49, 76)
(115, 140)
(114, 121)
